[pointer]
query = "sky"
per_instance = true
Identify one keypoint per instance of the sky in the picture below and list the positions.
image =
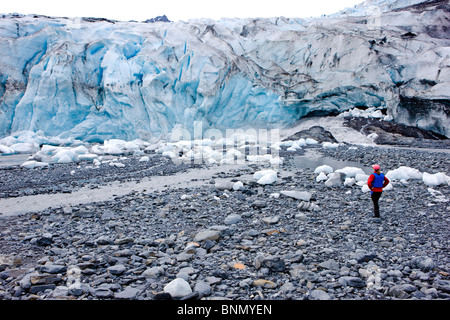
(175, 10)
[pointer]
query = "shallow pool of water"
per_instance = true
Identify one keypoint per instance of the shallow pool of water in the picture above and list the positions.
(312, 159)
(13, 160)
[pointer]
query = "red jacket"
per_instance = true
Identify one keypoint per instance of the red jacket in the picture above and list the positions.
(377, 188)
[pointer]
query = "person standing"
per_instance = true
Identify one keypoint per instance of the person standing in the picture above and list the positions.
(376, 182)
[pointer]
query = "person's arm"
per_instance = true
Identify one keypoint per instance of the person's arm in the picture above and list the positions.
(386, 182)
(370, 180)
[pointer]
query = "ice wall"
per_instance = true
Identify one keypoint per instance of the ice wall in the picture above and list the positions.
(98, 79)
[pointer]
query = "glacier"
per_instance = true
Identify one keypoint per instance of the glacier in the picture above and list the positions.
(96, 79)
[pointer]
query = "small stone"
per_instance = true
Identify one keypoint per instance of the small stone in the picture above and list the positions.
(25, 283)
(307, 206)
(183, 275)
(103, 293)
(424, 263)
(191, 296)
(223, 185)
(67, 210)
(178, 288)
(60, 292)
(42, 287)
(318, 295)
(129, 293)
(443, 285)
(301, 217)
(207, 235)
(77, 289)
(104, 240)
(330, 265)
(352, 281)
(108, 215)
(264, 283)
(124, 240)
(362, 256)
(395, 273)
(274, 263)
(245, 283)
(271, 220)
(45, 240)
(162, 296)
(238, 266)
(53, 268)
(44, 279)
(398, 292)
(213, 280)
(123, 253)
(233, 219)
(153, 272)
(259, 204)
(221, 274)
(203, 288)
(117, 269)
(288, 287)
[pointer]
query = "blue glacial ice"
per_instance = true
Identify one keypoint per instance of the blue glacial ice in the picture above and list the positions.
(95, 81)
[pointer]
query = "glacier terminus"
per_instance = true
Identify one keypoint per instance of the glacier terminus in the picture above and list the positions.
(98, 79)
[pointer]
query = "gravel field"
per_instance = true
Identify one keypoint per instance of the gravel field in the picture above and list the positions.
(167, 231)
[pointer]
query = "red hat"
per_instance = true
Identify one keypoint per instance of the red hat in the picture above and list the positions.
(376, 167)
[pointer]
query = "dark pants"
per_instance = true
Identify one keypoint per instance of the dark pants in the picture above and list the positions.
(375, 197)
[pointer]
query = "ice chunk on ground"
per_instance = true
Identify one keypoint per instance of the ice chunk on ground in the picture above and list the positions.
(302, 142)
(223, 184)
(294, 147)
(260, 158)
(178, 288)
(238, 186)
(265, 176)
(324, 168)
(25, 147)
(274, 195)
(268, 179)
(114, 146)
(349, 181)
(5, 150)
(334, 180)
(390, 186)
(34, 164)
(321, 177)
(361, 177)
(65, 156)
(368, 113)
(433, 180)
(116, 164)
(329, 145)
(88, 157)
(276, 161)
(65, 159)
(404, 172)
(169, 154)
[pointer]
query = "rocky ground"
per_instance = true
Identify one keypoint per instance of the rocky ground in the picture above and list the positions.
(397, 134)
(254, 243)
